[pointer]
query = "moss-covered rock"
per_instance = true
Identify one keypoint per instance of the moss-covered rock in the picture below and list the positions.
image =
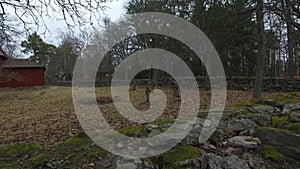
(80, 139)
(75, 152)
(179, 155)
(271, 152)
(39, 160)
(134, 131)
(9, 165)
(163, 121)
(251, 102)
(291, 97)
(98, 151)
(285, 141)
(17, 150)
(295, 127)
(279, 122)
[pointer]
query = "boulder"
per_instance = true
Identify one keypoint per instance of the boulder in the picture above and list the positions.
(193, 137)
(263, 109)
(285, 142)
(295, 116)
(273, 103)
(292, 106)
(254, 160)
(263, 119)
(245, 142)
(239, 125)
(228, 162)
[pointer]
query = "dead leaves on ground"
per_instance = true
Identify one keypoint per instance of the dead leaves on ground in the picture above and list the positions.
(46, 114)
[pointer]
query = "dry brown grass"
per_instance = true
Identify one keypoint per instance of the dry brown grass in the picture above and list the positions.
(46, 114)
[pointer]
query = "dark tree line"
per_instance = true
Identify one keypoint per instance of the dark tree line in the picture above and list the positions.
(232, 26)
(59, 61)
(253, 38)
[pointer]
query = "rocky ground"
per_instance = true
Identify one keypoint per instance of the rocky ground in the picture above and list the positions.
(261, 134)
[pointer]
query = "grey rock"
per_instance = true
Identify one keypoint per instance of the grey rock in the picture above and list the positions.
(292, 106)
(286, 143)
(127, 163)
(295, 116)
(263, 109)
(273, 103)
(248, 132)
(193, 137)
(217, 137)
(133, 163)
(188, 164)
(150, 127)
(154, 132)
(263, 119)
(165, 126)
(104, 163)
(254, 161)
(240, 125)
(245, 142)
(228, 162)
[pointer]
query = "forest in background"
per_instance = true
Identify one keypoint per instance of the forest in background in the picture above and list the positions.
(231, 25)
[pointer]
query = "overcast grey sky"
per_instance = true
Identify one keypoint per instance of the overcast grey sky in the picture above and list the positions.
(55, 28)
(114, 11)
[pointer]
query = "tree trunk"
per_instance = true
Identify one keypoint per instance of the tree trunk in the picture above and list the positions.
(261, 50)
(291, 60)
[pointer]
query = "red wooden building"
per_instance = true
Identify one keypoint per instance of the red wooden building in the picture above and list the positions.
(20, 72)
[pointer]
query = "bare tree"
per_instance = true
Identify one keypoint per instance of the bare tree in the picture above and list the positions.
(73, 12)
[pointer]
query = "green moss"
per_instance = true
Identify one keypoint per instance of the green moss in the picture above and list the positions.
(148, 162)
(98, 151)
(291, 97)
(164, 121)
(116, 116)
(251, 102)
(271, 152)
(179, 154)
(75, 144)
(131, 131)
(80, 139)
(76, 160)
(252, 140)
(79, 157)
(8, 165)
(77, 151)
(16, 150)
(277, 129)
(295, 127)
(39, 160)
(248, 112)
(279, 122)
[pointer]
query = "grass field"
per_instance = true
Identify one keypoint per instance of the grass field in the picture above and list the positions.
(46, 114)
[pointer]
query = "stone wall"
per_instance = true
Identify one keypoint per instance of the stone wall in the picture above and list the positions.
(234, 83)
(243, 83)
(269, 84)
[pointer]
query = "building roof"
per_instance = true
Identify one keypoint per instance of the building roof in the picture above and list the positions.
(22, 63)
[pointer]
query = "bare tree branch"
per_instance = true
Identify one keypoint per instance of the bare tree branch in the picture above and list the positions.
(33, 12)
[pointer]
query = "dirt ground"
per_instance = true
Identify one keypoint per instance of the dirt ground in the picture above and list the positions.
(46, 114)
